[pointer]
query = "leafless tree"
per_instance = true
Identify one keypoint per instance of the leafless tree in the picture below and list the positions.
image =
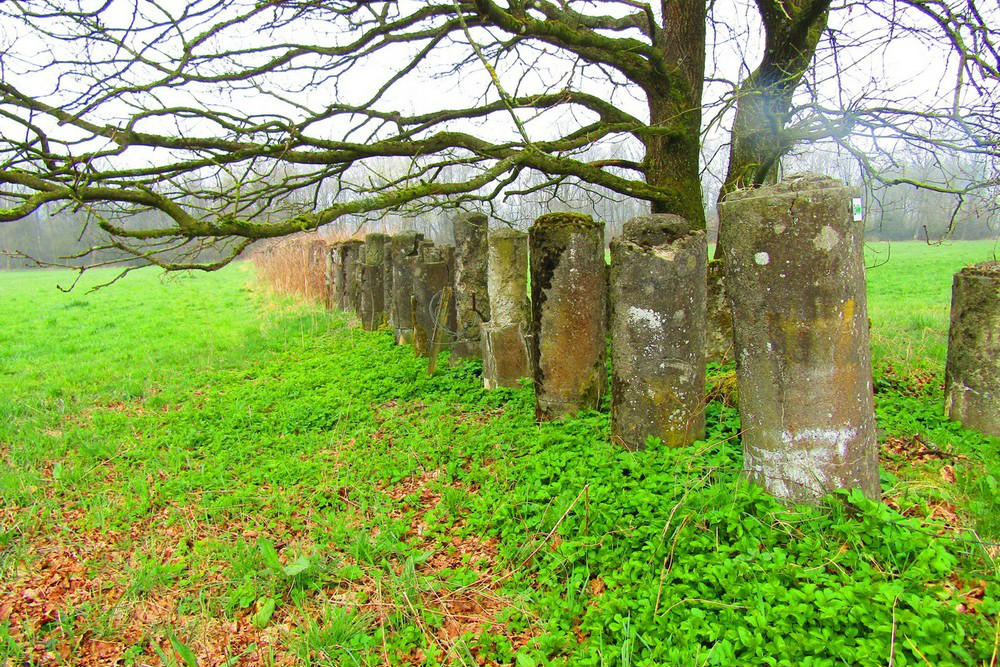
(241, 120)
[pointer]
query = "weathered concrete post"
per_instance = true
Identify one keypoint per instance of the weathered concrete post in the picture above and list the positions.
(567, 313)
(472, 303)
(657, 332)
(356, 259)
(719, 334)
(404, 257)
(432, 274)
(371, 303)
(351, 261)
(972, 373)
(332, 275)
(795, 278)
(505, 337)
(339, 279)
(387, 281)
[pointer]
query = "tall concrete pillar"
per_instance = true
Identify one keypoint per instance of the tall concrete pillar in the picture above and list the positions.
(719, 334)
(972, 372)
(506, 336)
(795, 278)
(371, 302)
(657, 297)
(433, 273)
(351, 265)
(387, 281)
(332, 275)
(472, 302)
(404, 259)
(568, 293)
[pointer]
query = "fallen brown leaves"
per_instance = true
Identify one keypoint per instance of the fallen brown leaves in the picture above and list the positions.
(465, 612)
(66, 602)
(914, 450)
(971, 592)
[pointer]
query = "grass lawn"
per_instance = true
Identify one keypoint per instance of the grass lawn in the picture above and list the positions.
(196, 472)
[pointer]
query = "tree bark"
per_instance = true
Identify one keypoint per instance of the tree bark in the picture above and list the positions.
(792, 31)
(673, 153)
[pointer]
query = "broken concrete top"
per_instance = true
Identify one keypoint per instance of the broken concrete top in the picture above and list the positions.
(990, 269)
(507, 233)
(655, 229)
(790, 185)
(567, 219)
(474, 218)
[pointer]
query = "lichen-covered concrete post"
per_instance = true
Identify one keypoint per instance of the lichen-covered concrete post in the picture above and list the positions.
(506, 336)
(387, 281)
(972, 373)
(371, 302)
(657, 332)
(795, 278)
(719, 333)
(568, 293)
(451, 317)
(472, 302)
(351, 249)
(339, 279)
(404, 257)
(332, 275)
(431, 276)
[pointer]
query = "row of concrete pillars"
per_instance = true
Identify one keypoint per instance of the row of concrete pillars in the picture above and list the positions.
(796, 291)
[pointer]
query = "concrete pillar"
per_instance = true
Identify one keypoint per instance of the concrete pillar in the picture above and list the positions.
(657, 332)
(350, 266)
(795, 278)
(371, 302)
(568, 292)
(404, 257)
(719, 334)
(433, 272)
(505, 337)
(339, 281)
(472, 303)
(387, 281)
(332, 275)
(972, 373)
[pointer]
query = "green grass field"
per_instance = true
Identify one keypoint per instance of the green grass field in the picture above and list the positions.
(196, 472)
(910, 296)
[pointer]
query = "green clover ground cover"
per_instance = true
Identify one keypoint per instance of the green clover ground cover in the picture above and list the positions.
(233, 478)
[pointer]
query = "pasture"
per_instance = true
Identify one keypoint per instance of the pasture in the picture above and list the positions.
(194, 471)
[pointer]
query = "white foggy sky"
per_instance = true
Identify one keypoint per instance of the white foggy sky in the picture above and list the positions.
(907, 68)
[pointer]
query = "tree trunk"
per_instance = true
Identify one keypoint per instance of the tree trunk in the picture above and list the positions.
(792, 31)
(673, 155)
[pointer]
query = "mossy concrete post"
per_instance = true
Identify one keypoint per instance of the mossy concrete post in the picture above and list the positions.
(404, 259)
(472, 303)
(568, 295)
(451, 321)
(432, 274)
(351, 264)
(657, 332)
(339, 279)
(506, 336)
(795, 278)
(972, 372)
(719, 333)
(372, 300)
(332, 275)
(387, 281)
